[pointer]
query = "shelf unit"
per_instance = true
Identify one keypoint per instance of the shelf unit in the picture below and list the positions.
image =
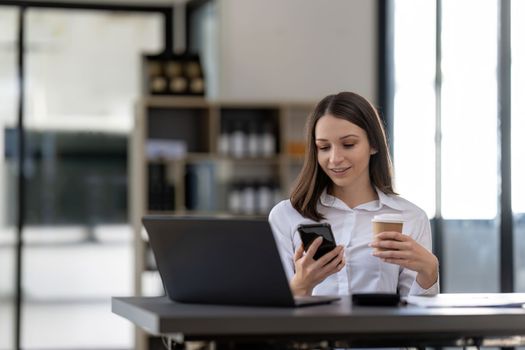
(176, 164)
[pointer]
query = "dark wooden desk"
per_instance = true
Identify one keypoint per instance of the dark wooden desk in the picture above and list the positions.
(339, 323)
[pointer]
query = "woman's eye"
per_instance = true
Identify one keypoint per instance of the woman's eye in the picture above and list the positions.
(323, 148)
(349, 145)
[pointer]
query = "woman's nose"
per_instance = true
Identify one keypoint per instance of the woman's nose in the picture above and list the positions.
(335, 155)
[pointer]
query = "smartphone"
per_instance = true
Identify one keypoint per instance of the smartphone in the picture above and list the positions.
(376, 299)
(309, 232)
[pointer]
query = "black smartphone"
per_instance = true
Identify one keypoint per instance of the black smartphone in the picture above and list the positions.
(309, 232)
(376, 299)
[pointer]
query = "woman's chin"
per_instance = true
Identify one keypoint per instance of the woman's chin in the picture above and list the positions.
(341, 182)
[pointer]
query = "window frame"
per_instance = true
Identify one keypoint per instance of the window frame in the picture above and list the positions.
(386, 91)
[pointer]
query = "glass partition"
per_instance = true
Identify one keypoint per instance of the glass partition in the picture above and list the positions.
(83, 73)
(8, 120)
(518, 142)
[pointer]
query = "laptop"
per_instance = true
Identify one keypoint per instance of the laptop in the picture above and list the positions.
(232, 261)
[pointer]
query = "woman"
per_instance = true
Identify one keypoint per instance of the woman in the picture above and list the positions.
(346, 180)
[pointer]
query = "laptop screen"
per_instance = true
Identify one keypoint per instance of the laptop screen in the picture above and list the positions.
(218, 260)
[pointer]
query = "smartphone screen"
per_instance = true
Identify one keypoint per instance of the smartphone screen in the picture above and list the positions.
(309, 232)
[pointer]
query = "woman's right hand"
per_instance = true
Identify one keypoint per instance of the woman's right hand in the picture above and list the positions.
(310, 272)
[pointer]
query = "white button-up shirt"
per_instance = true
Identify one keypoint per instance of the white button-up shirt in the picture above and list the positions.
(352, 229)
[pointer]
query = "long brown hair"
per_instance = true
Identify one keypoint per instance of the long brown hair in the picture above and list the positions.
(312, 179)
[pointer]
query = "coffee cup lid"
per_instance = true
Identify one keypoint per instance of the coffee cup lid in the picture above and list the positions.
(388, 218)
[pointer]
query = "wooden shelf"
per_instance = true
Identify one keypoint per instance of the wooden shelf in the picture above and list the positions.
(166, 101)
(200, 181)
(221, 158)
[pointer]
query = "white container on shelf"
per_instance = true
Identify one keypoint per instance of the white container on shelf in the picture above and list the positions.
(264, 198)
(234, 199)
(224, 141)
(248, 199)
(267, 142)
(238, 142)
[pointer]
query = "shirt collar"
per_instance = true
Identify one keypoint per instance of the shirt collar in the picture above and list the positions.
(383, 199)
(327, 200)
(390, 201)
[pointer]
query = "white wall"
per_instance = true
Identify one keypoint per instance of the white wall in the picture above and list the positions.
(295, 49)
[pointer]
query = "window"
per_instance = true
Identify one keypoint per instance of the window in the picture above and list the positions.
(450, 165)
(414, 102)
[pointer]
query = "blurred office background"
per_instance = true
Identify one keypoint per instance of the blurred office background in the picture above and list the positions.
(447, 90)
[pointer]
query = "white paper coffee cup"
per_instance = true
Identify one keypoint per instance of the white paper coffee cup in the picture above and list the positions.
(386, 222)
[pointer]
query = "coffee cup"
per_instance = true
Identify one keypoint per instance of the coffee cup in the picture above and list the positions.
(386, 222)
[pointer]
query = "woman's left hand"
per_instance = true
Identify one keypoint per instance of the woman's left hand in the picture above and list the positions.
(401, 249)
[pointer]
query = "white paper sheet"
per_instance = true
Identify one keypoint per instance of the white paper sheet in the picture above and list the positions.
(469, 300)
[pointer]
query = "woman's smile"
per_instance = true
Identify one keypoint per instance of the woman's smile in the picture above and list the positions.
(341, 171)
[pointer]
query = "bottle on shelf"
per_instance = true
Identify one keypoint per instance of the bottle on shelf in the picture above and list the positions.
(253, 197)
(224, 140)
(200, 186)
(197, 85)
(254, 149)
(178, 84)
(173, 68)
(248, 199)
(234, 198)
(238, 141)
(158, 83)
(264, 198)
(268, 141)
(194, 75)
(161, 194)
